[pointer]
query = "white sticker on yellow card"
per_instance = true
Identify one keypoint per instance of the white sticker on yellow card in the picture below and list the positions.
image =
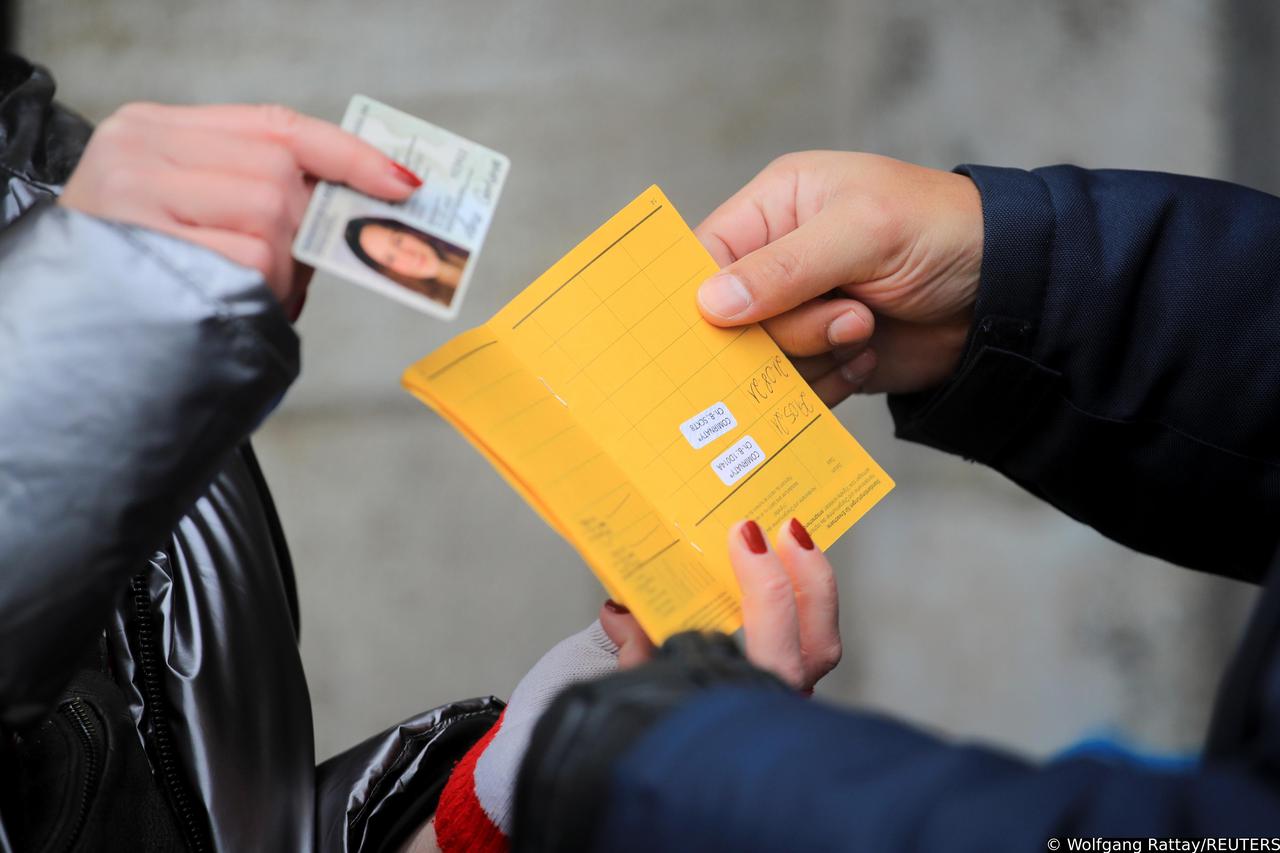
(706, 426)
(737, 462)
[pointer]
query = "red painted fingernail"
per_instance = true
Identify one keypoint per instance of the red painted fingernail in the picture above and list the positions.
(802, 537)
(754, 538)
(614, 607)
(405, 175)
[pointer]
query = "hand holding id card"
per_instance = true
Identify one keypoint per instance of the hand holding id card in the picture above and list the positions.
(421, 252)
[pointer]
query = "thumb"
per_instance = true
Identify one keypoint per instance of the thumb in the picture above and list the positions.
(825, 252)
(634, 646)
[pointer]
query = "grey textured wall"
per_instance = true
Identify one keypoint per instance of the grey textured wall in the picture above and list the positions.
(968, 605)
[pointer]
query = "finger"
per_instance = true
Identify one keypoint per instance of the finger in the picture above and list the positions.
(220, 200)
(826, 251)
(233, 203)
(820, 325)
(909, 355)
(768, 604)
(817, 601)
(318, 147)
(243, 249)
(847, 379)
(634, 646)
(815, 367)
(763, 210)
(205, 150)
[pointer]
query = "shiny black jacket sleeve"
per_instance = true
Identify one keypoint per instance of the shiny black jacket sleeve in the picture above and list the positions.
(130, 365)
(376, 794)
(1123, 362)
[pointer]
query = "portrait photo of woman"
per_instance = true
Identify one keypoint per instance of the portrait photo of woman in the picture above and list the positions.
(415, 260)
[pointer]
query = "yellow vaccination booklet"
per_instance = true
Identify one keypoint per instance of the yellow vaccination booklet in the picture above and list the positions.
(639, 431)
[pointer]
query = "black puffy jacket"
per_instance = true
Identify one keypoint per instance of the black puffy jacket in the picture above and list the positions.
(138, 542)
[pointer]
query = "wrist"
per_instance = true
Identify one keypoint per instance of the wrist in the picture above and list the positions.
(952, 341)
(1013, 259)
(967, 236)
(934, 345)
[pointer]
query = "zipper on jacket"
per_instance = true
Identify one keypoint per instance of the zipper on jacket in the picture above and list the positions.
(153, 692)
(77, 714)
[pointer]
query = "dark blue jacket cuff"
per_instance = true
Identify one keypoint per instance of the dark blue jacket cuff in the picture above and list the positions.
(998, 385)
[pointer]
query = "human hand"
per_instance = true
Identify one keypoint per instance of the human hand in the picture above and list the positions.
(863, 269)
(791, 618)
(232, 178)
(790, 608)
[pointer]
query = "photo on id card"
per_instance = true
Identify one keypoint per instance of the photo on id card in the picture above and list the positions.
(420, 252)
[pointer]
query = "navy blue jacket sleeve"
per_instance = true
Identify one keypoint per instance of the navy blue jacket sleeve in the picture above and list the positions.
(1124, 362)
(791, 774)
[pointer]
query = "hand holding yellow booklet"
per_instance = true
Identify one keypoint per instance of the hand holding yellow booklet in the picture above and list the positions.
(641, 432)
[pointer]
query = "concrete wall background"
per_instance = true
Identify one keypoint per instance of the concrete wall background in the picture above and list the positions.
(968, 605)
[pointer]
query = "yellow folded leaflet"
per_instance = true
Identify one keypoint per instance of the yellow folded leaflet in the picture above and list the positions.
(641, 432)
